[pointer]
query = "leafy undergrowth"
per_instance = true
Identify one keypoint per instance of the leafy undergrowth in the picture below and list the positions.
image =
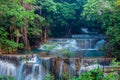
(6, 78)
(95, 74)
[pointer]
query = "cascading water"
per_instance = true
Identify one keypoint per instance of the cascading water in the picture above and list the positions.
(81, 67)
(34, 68)
(7, 68)
(99, 44)
(61, 69)
(33, 72)
(27, 70)
(46, 64)
(81, 42)
(85, 30)
(37, 68)
(20, 71)
(72, 67)
(41, 74)
(81, 45)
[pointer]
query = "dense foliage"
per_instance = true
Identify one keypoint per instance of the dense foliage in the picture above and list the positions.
(17, 18)
(26, 23)
(106, 13)
(95, 74)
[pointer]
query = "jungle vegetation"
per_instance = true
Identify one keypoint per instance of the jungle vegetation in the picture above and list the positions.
(26, 23)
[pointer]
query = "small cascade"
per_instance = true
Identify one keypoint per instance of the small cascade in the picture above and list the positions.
(81, 67)
(33, 71)
(69, 44)
(47, 65)
(85, 44)
(72, 67)
(85, 30)
(41, 73)
(60, 44)
(37, 72)
(61, 69)
(100, 44)
(34, 59)
(40, 69)
(29, 68)
(90, 44)
(20, 71)
(7, 68)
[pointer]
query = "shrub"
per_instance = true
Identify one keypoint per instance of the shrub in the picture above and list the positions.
(49, 77)
(66, 53)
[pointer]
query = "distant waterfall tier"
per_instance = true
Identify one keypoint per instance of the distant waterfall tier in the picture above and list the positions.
(78, 43)
(81, 45)
(89, 36)
(38, 68)
(75, 44)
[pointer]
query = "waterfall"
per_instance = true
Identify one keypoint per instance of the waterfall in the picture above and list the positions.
(34, 68)
(99, 44)
(33, 71)
(7, 69)
(41, 67)
(85, 42)
(61, 69)
(60, 44)
(81, 67)
(85, 30)
(47, 65)
(72, 67)
(20, 71)
(41, 73)
(37, 72)
(81, 45)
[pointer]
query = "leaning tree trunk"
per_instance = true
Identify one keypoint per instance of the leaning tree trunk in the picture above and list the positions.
(68, 30)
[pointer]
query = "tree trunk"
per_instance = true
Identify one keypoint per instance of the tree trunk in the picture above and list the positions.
(0, 50)
(25, 38)
(68, 31)
(11, 29)
(17, 41)
(41, 37)
(45, 35)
